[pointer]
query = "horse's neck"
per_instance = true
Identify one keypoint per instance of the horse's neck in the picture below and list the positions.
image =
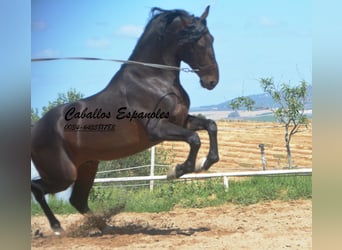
(168, 76)
(152, 50)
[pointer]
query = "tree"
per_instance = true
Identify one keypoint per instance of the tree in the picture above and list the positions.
(71, 96)
(242, 101)
(200, 115)
(290, 111)
(34, 115)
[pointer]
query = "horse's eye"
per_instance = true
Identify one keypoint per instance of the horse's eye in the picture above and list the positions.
(201, 41)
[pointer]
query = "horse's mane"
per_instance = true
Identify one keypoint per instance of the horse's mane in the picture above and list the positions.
(165, 17)
(161, 19)
(168, 15)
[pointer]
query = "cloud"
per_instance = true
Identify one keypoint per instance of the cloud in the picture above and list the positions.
(48, 53)
(133, 31)
(266, 21)
(261, 22)
(98, 43)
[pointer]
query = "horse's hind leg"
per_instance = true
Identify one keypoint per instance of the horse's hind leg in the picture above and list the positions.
(37, 188)
(85, 178)
(56, 176)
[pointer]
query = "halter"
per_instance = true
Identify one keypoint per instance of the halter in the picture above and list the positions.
(153, 65)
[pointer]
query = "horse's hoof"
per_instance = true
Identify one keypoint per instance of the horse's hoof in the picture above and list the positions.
(58, 231)
(38, 234)
(171, 174)
(199, 165)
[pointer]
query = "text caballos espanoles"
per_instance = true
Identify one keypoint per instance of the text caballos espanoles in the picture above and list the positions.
(122, 113)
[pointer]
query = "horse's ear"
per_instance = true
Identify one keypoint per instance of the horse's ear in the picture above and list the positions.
(205, 13)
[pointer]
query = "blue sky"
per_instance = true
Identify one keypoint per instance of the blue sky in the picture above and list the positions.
(253, 39)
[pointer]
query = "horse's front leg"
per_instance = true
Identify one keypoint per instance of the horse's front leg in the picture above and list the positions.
(197, 123)
(167, 131)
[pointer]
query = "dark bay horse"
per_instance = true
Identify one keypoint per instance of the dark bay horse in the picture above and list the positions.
(140, 107)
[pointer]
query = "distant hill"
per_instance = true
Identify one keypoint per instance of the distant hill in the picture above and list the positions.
(262, 101)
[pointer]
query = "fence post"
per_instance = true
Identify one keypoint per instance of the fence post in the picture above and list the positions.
(263, 159)
(152, 167)
(225, 183)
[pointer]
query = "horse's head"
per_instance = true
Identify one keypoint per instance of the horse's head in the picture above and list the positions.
(194, 43)
(197, 50)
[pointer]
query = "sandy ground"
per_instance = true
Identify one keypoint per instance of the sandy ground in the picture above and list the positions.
(268, 225)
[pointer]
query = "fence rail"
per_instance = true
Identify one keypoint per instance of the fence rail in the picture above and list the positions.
(302, 171)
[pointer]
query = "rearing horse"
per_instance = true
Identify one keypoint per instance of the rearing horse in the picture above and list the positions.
(140, 107)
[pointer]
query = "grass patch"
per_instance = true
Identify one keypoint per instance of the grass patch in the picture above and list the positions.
(58, 206)
(191, 194)
(263, 188)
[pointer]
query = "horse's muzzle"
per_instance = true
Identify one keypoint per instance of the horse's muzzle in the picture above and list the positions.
(209, 76)
(209, 85)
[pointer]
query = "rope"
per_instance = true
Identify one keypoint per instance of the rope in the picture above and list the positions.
(153, 65)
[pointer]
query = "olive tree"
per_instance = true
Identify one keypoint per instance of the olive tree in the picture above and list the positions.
(290, 108)
(242, 101)
(290, 102)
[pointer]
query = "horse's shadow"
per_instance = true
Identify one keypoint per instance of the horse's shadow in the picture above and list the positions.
(132, 229)
(91, 225)
(149, 230)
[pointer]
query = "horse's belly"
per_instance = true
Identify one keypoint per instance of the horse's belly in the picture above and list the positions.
(123, 141)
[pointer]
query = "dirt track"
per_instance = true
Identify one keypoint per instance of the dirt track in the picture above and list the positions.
(269, 225)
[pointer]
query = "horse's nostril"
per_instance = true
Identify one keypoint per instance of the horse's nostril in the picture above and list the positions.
(208, 84)
(213, 83)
